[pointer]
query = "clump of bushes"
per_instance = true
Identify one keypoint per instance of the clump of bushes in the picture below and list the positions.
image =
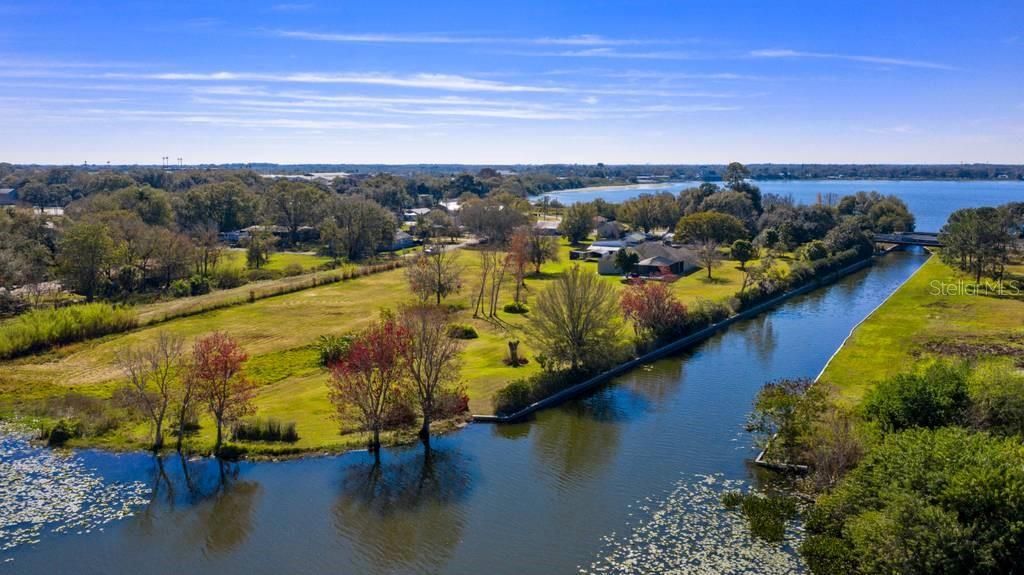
(261, 274)
(62, 431)
(228, 277)
(516, 308)
(462, 331)
(944, 500)
(522, 392)
(41, 329)
(450, 403)
(399, 414)
(265, 430)
(293, 269)
(195, 285)
(934, 397)
(513, 397)
(766, 515)
(332, 348)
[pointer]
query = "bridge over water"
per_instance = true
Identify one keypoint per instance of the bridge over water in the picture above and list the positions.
(927, 239)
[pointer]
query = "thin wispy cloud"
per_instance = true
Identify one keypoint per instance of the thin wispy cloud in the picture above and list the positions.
(423, 81)
(428, 38)
(612, 53)
(293, 7)
(886, 61)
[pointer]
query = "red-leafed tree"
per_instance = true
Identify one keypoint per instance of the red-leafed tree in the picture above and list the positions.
(217, 362)
(654, 309)
(369, 374)
(519, 258)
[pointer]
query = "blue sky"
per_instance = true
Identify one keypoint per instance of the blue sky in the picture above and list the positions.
(524, 82)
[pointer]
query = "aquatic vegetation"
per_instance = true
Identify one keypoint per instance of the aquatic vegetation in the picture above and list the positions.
(690, 531)
(48, 491)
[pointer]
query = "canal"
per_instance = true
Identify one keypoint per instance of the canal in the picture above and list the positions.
(623, 480)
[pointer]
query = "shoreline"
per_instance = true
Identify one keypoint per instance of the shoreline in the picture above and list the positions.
(661, 185)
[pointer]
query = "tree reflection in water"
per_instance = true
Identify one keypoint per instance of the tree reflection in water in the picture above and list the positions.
(208, 493)
(405, 510)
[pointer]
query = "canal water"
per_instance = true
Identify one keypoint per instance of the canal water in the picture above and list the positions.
(623, 480)
(931, 201)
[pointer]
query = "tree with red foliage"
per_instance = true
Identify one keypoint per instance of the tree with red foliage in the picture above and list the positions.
(217, 361)
(519, 258)
(368, 375)
(653, 308)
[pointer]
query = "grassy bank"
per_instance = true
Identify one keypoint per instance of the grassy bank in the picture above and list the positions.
(925, 319)
(278, 333)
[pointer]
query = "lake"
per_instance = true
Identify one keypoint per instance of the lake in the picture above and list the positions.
(626, 479)
(931, 201)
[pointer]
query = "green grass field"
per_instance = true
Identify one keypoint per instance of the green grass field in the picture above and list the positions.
(919, 322)
(235, 257)
(279, 332)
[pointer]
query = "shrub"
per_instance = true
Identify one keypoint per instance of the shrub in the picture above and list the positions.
(450, 403)
(261, 274)
(399, 413)
(180, 288)
(516, 308)
(924, 501)
(228, 277)
(513, 397)
(62, 431)
(293, 269)
(732, 499)
(813, 251)
(936, 397)
(332, 348)
(264, 430)
(997, 398)
(41, 329)
(199, 284)
(767, 515)
(462, 331)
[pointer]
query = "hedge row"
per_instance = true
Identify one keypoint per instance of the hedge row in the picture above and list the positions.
(44, 328)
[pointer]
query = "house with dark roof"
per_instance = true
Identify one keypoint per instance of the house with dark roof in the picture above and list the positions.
(401, 241)
(8, 197)
(655, 258)
(547, 228)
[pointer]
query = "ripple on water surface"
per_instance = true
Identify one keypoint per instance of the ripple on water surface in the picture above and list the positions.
(47, 491)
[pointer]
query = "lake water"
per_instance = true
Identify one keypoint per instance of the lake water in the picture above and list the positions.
(930, 201)
(623, 480)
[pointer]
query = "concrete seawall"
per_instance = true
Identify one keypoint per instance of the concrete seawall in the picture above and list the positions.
(676, 346)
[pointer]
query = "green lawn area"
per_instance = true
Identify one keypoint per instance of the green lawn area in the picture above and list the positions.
(918, 322)
(279, 332)
(235, 257)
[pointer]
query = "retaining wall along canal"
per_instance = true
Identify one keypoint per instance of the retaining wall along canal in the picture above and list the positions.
(675, 346)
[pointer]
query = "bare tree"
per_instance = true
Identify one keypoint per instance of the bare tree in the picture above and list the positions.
(185, 404)
(708, 255)
(431, 358)
(488, 262)
(151, 379)
(541, 249)
(436, 273)
(502, 263)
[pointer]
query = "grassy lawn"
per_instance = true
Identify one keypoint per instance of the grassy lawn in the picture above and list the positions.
(235, 257)
(279, 332)
(918, 322)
